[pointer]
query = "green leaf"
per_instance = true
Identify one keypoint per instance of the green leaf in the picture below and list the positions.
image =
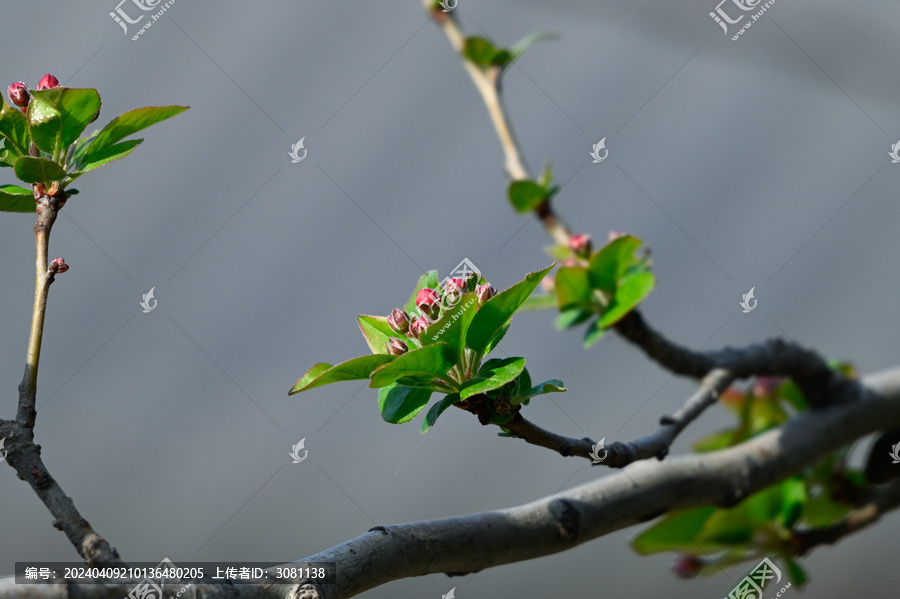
(612, 261)
(452, 325)
(14, 127)
(797, 574)
(377, 332)
(479, 51)
(794, 498)
(539, 302)
(675, 532)
(325, 374)
(593, 333)
(630, 292)
(548, 386)
(130, 122)
(430, 361)
(573, 288)
(399, 404)
(38, 170)
(571, 318)
(429, 279)
(494, 313)
(526, 195)
(16, 199)
(716, 441)
(523, 44)
(56, 117)
(493, 374)
(435, 411)
(496, 340)
(521, 388)
(822, 511)
(95, 160)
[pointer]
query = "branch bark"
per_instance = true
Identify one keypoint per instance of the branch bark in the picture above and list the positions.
(556, 523)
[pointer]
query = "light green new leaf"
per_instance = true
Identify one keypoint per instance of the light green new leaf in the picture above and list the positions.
(377, 332)
(324, 374)
(128, 123)
(548, 386)
(494, 313)
(453, 324)
(526, 195)
(493, 374)
(14, 127)
(430, 361)
(631, 291)
(95, 160)
(612, 261)
(16, 199)
(56, 117)
(675, 532)
(38, 170)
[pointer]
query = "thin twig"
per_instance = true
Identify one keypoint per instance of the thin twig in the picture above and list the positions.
(487, 82)
(22, 453)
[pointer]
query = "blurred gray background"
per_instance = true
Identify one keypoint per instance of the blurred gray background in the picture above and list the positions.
(761, 162)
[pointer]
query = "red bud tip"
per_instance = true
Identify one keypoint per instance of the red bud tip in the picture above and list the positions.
(427, 301)
(613, 235)
(48, 81)
(417, 327)
(484, 292)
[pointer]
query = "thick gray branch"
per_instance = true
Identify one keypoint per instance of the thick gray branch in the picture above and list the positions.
(639, 493)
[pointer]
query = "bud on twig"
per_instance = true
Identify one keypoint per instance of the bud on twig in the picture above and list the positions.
(48, 81)
(399, 321)
(580, 244)
(427, 301)
(687, 566)
(417, 327)
(484, 292)
(396, 347)
(613, 235)
(18, 93)
(58, 265)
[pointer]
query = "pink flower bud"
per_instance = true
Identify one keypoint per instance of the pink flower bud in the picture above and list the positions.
(58, 265)
(453, 290)
(687, 566)
(427, 301)
(399, 321)
(396, 347)
(580, 244)
(417, 327)
(48, 81)
(613, 235)
(484, 292)
(18, 93)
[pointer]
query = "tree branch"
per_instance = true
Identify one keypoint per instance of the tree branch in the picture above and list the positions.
(18, 435)
(556, 523)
